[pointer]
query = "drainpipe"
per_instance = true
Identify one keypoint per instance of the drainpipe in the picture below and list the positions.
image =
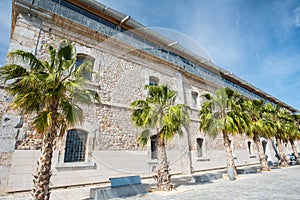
(38, 39)
(188, 134)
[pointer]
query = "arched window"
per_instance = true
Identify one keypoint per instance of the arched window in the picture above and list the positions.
(249, 147)
(81, 58)
(153, 81)
(199, 147)
(194, 98)
(264, 144)
(153, 146)
(75, 146)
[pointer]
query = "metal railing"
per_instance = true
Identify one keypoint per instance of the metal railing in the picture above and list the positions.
(90, 20)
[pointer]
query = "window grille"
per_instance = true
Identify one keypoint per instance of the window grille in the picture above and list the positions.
(194, 98)
(75, 146)
(153, 145)
(264, 144)
(199, 147)
(249, 148)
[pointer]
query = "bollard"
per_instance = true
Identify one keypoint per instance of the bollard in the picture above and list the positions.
(231, 174)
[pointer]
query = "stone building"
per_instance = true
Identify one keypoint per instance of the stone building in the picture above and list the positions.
(126, 56)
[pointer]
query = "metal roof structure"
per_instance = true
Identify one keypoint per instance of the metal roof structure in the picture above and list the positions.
(111, 22)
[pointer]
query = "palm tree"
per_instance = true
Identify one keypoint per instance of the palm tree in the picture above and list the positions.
(294, 134)
(277, 118)
(50, 91)
(159, 112)
(256, 127)
(223, 113)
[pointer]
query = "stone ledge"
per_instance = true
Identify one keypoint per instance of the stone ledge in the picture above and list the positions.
(202, 159)
(75, 166)
(152, 162)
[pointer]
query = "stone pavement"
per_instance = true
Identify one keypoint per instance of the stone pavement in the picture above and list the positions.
(278, 184)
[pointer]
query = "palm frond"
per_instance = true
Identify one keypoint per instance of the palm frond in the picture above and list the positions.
(42, 121)
(11, 72)
(41, 87)
(159, 111)
(52, 53)
(28, 59)
(222, 112)
(143, 137)
(66, 50)
(72, 112)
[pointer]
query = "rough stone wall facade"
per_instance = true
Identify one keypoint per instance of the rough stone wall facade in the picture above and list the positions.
(122, 73)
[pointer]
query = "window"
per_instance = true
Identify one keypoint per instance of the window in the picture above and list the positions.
(83, 58)
(75, 146)
(249, 147)
(194, 98)
(264, 144)
(199, 147)
(153, 140)
(153, 81)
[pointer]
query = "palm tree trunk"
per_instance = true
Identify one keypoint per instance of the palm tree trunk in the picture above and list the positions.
(163, 176)
(283, 161)
(295, 151)
(262, 157)
(229, 156)
(41, 181)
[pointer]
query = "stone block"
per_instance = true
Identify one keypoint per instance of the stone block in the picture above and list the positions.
(7, 144)
(5, 158)
(201, 179)
(206, 178)
(216, 176)
(3, 171)
(9, 120)
(124, 181)
(247, 170)
(118, 192)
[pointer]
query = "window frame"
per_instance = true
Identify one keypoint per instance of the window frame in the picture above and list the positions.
(194, 96)
(70, 153)
(153, 81)
(81, 58)
(153, 149)
(249, 145)
(200, 146)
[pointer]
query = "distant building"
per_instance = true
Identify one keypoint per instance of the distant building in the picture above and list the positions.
(127, 56)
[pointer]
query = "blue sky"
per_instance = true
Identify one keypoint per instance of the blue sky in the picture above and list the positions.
(258, 40)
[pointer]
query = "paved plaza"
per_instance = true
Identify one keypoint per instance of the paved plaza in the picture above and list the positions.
(277, 184)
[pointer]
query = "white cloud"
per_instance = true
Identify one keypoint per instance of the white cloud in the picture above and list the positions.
(297, 17)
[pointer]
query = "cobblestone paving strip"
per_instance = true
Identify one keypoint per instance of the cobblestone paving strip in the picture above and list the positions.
(277, 184)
